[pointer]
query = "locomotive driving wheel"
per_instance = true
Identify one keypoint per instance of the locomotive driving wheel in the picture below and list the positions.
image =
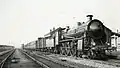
(91, 54)
(71, 48)
(73, 51)
(102, 55)
(62, 49)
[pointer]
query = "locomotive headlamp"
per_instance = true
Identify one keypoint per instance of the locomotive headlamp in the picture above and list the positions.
(93, 44)
(108, 43)
(93, 48)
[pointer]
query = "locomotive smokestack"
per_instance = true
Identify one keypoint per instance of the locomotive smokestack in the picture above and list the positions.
(90, 17)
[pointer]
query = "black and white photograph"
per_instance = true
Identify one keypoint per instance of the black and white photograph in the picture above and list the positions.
(59, 33)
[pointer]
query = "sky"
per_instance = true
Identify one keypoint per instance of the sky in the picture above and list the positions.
(22, 21)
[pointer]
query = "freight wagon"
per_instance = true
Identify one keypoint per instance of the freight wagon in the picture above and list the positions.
(41, 43)
(52, 40)
(30, 46)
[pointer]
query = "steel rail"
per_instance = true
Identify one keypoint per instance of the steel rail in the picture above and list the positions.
(38, 62)
(3, 61)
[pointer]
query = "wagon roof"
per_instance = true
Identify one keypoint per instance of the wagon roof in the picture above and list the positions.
(48, 34)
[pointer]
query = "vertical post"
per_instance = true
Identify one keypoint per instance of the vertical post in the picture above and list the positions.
(117, 39)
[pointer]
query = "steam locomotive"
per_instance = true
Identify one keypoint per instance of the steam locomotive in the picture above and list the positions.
(90, 38)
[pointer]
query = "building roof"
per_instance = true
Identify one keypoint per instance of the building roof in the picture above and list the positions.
(116, 34)
(6, 46)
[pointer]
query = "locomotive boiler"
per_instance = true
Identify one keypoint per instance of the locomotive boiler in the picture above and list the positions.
(89, 38)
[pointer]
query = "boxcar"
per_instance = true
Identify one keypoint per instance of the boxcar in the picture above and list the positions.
(30, 45)
(52, 39)
(41, 43)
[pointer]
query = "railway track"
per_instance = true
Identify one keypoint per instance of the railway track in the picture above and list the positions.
(111, 62)
(4, 57)
(64, 61)
(47, 63)
(19, 60)
(38, 62)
